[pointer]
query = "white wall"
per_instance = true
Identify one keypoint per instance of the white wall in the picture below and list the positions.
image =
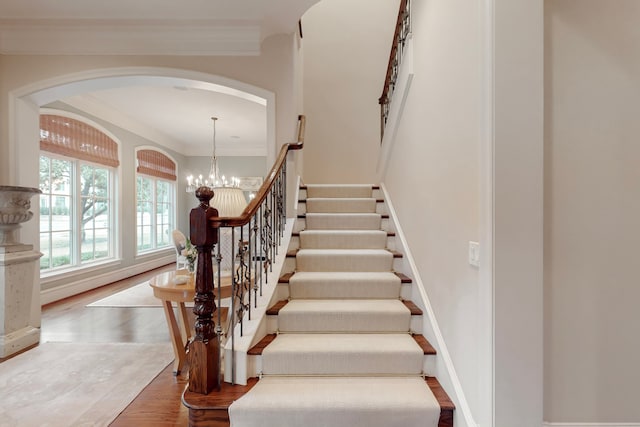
(466, 164)
(21, 75)
(592, 209)
(272, 71)
(518, 217)
(433, 170)
(346, 51)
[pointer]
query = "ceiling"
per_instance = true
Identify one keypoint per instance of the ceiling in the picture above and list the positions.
(175, 115)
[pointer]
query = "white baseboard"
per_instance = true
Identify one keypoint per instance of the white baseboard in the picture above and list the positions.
(548, 424)
(73, 288)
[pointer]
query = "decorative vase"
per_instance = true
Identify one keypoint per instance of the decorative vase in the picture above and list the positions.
(15, 203)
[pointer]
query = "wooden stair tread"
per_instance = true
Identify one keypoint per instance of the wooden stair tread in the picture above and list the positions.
(292, 253)
(257, 349)
(403, 277)
(373, 187)
(414, 309)
(446, 405)
(275, 308)
(389, 234)
(305, 201)
(424, 344)
(286, 277)
(396, 254)
(304, 215)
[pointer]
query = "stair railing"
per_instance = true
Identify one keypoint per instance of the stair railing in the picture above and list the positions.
(255, 237)
(403, 29)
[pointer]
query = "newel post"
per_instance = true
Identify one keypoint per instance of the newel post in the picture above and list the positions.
(204, 375)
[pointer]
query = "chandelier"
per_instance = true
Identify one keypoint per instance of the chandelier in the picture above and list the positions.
(228, 197)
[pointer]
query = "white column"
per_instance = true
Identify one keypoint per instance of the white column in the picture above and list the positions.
(18, 261)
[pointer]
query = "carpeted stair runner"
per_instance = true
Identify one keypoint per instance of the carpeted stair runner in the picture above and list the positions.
(346, 316)
(336, 402)
(344, 354)
(337, 285)
(345, 239)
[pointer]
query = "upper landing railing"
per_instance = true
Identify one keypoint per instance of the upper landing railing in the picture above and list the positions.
(255, 238)
(403, 29)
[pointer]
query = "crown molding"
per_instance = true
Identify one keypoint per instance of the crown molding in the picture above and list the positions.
(129, 37)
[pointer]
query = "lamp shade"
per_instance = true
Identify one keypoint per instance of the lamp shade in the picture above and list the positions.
(229, 201)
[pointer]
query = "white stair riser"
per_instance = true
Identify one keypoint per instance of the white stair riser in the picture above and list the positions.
(343, 240)
(390, 243)
(342, 364)
(415, 324)
(343, 221)
(254, 365)
(343, 322)
(381, 208)
(346, 191)
(301, 225)
(339, 291)
(380, 262)
(341, 205)
(376, 193)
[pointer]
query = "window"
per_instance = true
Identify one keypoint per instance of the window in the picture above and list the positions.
(77, 175)
(155, 195)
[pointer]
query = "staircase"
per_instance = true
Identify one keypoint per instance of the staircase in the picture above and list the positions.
(345, 347)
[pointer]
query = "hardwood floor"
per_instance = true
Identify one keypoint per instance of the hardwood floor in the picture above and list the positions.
(69, 320)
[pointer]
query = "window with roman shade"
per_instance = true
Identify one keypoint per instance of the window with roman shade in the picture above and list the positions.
(154, 163)
(155, 200)
(78, 168)
(72, 138)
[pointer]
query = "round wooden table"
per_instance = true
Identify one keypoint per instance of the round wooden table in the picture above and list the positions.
(179, 287)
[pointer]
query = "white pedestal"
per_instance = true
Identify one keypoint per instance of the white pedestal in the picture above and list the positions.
(17, 272)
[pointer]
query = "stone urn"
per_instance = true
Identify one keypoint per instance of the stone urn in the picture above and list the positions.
(18, 273)
(15, 203)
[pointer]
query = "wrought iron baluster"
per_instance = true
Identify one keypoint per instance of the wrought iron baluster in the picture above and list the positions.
(240, 278)
(402, 31)
(267, 238)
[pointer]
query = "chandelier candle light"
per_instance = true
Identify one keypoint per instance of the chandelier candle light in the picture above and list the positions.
(228, 197)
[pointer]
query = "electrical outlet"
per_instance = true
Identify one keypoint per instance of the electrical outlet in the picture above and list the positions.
(474, 254)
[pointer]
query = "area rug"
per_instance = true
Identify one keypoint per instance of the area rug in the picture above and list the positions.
(76, 384)
(140, 295)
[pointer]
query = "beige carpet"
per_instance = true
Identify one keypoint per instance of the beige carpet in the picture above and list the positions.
(76, 384)
(140, 295)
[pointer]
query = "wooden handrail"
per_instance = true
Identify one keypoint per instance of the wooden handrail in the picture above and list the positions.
(255, 203)
(403, 24)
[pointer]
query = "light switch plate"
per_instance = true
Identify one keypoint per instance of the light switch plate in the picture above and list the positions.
(474, 254)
